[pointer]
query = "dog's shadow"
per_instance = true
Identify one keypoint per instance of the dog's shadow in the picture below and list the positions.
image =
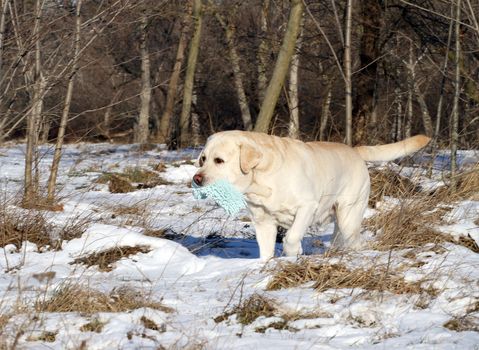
(242, 247)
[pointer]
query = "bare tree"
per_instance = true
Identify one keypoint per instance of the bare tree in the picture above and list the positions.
(293, 129)
(347, 75)
(237, 74)
(190, 73)
(164, 129)
(142, 130)
(262, 54)
(66, 108)
(281, 67)
(325, 112)
(34, 117)
(3, 15)
(365, 79)
(457, 90)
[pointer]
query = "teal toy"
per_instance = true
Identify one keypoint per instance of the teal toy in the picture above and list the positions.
(223, 193)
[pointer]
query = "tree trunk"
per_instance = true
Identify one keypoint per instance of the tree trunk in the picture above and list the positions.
(142, 130)
(104, 127)
(443, 84)
(365, 80)
(2, 33)
(408, 121)
(195, 122)
(34, 117)
(455, 106)
(164, 129)
(262, 55)
(426, 117)
(66, 109)
(347, 75)
(396, 131)
(293, 129)
(238, 75)
(190, 73)
(325, 113)
(414, 88)
(437, 126)
(281, 67)
(45, 125)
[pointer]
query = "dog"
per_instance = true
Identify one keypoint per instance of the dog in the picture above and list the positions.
(290, 183)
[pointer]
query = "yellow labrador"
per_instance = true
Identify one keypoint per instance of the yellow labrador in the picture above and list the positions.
(290, 183)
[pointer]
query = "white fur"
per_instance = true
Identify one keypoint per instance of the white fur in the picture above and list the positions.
(290, 183)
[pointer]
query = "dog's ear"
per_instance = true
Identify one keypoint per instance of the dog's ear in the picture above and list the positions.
(197, 161)
(249, 157)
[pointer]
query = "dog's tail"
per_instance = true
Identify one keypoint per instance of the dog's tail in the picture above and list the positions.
(392, 151)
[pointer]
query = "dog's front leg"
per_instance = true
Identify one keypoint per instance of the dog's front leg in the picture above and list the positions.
(266, 231)
(302, 220)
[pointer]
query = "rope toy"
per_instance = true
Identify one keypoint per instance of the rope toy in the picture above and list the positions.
(223, 193)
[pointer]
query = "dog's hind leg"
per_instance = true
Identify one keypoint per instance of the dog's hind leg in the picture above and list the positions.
(348, 224)
(302, 220)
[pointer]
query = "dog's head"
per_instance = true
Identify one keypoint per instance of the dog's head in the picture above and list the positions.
(232, 156)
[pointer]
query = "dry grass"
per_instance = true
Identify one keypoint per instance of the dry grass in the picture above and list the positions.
(4, 318)
(132, 179)
(467, 186)
(462, 324)
(40, 203)
(386, 182)
(107, 258)
(254, 307)
(260, 306)
(46, 336)
(159, 167)
(128, 210)
(18, 227)
(158, 233)
(118, 184)
(73, 298)
(410, 225)
(407, 226)
(150, 324)
(336, 276)
(145, 147)
(94, 325)
(74, 227)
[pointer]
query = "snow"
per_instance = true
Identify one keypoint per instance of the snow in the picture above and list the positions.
(205, 263)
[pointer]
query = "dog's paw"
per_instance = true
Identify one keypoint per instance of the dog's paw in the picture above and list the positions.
(292, 248)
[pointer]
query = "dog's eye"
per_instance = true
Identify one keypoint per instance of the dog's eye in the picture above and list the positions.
(219, 161)
(202, 160)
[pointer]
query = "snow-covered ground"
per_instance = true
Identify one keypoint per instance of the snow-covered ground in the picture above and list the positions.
(203, 263)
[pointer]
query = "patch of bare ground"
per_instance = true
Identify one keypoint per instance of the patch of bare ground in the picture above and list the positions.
(325, 275)
(75, 298)
(106, 259)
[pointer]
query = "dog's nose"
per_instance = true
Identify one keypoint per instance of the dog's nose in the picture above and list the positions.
(198, 179)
